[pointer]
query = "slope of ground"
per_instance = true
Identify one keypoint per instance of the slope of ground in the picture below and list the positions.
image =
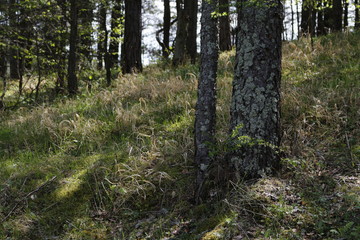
(116, 163)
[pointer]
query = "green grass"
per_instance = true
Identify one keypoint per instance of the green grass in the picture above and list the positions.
(117, 163)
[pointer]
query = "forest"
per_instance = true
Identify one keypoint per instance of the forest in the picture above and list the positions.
(180, 119)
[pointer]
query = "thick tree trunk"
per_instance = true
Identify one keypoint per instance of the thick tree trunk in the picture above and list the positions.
(205, 106)
(255, 107)
(224, 25)
(116, 16)
(72, 61)
(191, 9)
(131, 54)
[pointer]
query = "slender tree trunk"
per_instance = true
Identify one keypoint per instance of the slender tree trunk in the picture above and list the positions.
(181, 34)
(166, 24)
(255, 107)
(191, 9)
(333, 16)
(292, 20)
(85, 30)
(320, 19)
(224, 25)
(346, 12)
(116, 16)
(72, 61)
(206, 102)
(102, 45)
(14, 48)
(357, 15)
(308, 19)
(337, 15)
(131, 55)
(298, 19)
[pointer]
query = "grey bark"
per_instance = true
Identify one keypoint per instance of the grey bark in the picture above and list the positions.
(255, 107)
(205, 106)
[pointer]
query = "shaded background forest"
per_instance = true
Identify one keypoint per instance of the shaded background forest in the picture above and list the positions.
(70, 41)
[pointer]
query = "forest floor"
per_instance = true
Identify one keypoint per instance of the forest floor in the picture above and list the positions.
(117, 163)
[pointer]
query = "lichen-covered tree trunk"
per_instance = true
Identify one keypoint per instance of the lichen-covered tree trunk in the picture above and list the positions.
(205, 106)
(255, 107)
(131, 54)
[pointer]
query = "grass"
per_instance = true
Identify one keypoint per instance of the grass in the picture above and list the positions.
(117, 163)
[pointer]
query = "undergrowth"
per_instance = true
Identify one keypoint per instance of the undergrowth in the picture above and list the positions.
(117, 163)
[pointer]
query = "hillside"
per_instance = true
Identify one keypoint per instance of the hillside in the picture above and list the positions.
(117, 163)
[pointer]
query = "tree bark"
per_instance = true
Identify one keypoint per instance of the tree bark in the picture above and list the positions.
(102, 45)
(206, 102)
(166, 24)
(181, 34)
(85, 17)
(116, 16)
(224, 25)
(72, 61)
(14, 48)
(357, 15)
(191, 10)
(255, 107)
(131, 54)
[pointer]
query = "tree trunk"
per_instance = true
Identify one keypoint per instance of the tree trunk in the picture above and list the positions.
(167, 24)
(357, 15)
(337, 15)
(14, 48)
(333, 16)
(181, 34)
(191, 9)
(116, 16)
(102, 45)
(131, 55)
(72, 61)
(346, 11)
(85, 31)
(308, 19)
(206, 102)
(320, 19)
(224, 25)
(255, 107)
